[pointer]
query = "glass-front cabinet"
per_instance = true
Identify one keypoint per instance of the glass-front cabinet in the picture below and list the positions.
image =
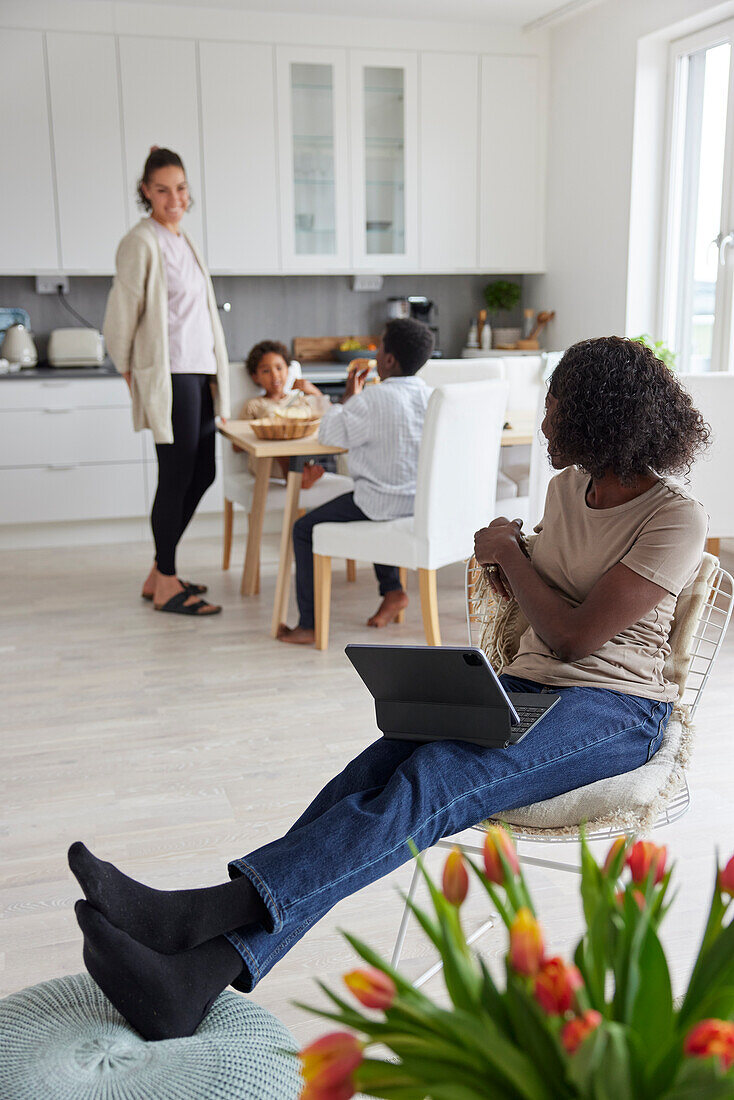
(383, 131)
(312, 107)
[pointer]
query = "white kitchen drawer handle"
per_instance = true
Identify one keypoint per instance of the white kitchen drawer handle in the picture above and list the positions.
(63, 466)
(66, 409)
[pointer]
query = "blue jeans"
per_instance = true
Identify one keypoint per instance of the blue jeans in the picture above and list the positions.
(356, 829)
(340, 510)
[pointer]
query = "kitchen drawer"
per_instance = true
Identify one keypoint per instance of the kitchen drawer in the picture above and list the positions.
(42, 437)
(64, 393)
(55, 494)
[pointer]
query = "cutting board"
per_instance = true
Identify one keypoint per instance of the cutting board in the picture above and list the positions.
(320, 349)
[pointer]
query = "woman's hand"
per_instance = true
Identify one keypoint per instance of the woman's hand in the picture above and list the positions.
(490, 543)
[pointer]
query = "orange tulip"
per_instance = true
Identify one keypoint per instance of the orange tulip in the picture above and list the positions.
(371, 987)
(556, 985)
(328, 1065)
(576, 1030)
(726, 878)
(455, 878)
(613, 852)
(526, 943)
(497, 840)
(636, 894)
(712, 1039)
(644, 857)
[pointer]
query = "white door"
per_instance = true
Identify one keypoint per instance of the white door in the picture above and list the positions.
(512, 165)
(384, 138)
(87, 134)
(28, 240)
(313, 162)
(449, 134)
(160, 106)
(240, 157)
(698, 292)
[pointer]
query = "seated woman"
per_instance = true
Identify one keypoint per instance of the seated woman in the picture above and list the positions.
(617, 544)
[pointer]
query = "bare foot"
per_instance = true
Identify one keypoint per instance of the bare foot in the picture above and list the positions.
(392, 604)
(295, 635)
(310, 475)
(167, 587)
(149, 586)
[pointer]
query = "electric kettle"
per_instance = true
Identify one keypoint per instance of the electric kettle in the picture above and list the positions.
(18, 346)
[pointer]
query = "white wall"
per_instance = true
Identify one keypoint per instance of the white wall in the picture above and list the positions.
(593, 67)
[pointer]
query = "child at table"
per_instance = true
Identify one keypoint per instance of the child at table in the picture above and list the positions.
(267, 365)
(381, 427)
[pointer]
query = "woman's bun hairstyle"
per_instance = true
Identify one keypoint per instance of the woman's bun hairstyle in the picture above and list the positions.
(157, 158)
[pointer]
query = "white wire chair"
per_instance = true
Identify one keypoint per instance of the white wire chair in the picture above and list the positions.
(706, 643)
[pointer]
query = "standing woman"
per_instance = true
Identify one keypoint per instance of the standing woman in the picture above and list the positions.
(164, 336)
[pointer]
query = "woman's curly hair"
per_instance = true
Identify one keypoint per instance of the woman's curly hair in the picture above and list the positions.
(621, 410)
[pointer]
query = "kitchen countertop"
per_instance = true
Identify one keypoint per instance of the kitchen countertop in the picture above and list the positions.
(43, 373)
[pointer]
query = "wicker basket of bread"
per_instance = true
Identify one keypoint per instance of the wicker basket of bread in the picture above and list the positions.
(293, 423)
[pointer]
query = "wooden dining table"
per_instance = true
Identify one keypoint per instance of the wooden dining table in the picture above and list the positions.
(518, 432)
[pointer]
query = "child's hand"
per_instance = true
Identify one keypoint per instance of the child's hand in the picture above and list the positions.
(305, 386)
(355, 382)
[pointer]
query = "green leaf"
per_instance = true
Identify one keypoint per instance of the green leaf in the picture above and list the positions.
(711, 954)
(652, 1016)
(533, 1032)
(601, 1066)
(702, 1079)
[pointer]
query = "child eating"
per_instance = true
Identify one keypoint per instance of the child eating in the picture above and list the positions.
(267, 365)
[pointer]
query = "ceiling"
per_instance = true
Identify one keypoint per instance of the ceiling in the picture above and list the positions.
(514, 13)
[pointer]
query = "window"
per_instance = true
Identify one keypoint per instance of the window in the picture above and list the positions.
(697, 306)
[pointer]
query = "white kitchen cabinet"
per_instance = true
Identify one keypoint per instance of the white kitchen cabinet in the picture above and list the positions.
(87, 142)
(313, 159)
(512, 164)
(384, 141)
(240, 157)
(160, 106)
(28, 241)
(449, 135)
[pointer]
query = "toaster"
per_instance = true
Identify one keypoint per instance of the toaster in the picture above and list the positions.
(75, 347)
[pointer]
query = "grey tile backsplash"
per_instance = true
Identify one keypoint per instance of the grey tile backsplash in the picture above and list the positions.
(277, 307)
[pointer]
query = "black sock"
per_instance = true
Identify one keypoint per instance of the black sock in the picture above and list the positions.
(161, 996)
(164, 920)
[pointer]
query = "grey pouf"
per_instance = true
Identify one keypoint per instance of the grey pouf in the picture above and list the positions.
(63, 1040)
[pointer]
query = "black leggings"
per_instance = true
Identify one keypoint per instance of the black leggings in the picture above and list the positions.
(186, 467)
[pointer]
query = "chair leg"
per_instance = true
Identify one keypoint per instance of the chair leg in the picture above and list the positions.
(713, 546)
(322, 599)
(256, 586)
(227, 542)
(404, 582)
(429, 605)
(351, 569)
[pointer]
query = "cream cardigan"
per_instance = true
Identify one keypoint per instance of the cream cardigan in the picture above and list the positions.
(136, 331)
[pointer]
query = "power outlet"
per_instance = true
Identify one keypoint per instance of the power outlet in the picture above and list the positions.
(49, 284)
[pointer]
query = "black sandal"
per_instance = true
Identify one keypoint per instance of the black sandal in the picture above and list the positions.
(191, 588)
(177, 606)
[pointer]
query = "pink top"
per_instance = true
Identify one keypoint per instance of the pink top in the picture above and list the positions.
(190, 338)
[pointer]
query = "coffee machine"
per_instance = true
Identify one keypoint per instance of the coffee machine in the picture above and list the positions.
(421, 309)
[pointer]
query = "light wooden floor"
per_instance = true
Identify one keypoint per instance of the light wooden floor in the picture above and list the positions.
(170, 746)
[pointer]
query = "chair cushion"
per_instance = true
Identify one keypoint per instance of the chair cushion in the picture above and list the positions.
(519, 475)
(63, 1040)
(506, 487)
(390, 541)
(239, 488)
(630, 801)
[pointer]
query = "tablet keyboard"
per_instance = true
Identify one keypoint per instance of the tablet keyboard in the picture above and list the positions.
(527, 716)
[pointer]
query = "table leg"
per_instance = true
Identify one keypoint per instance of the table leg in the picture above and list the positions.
(255, 527)
(290, 515)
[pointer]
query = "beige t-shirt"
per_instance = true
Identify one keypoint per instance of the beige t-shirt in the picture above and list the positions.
(660, 535)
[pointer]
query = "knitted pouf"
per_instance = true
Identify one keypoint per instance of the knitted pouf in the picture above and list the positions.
(63, 1040)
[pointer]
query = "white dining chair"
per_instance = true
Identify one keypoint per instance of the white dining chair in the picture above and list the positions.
(710, 477)
(239, 482)
(443, 372)
(456, 485)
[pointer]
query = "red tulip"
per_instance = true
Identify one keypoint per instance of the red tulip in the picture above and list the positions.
(613, 852)
(371, 987)
(726, 878)
(556, 985)
(328, 1066)
(644, 857)
(455, 878)
(712, 1039)
(526, 943)
(636, 894)
(497, 840)
(576, 1030)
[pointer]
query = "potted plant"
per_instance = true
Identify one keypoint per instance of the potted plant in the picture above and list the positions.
(603, 1027)
(660, 348)
(502, 297)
